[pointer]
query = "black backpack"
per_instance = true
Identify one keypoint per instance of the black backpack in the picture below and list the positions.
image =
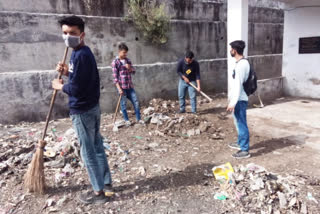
(251, 84)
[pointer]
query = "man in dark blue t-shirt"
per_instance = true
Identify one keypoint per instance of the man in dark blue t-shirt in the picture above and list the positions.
(83, 89)
(189, 72)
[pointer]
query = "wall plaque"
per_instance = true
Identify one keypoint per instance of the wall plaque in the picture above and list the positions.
(309, 45)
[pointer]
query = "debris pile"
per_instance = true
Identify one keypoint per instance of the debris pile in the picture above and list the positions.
(162, 116)
(157, 164)
(160, 105)
(255, 190)
(16, 150)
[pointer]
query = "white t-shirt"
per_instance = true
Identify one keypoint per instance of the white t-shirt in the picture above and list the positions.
(123, 61)
(239, 75)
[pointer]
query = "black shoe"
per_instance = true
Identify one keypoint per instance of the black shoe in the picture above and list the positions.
(108, 190)
(92, 198)
(241, 155)
(234, 146)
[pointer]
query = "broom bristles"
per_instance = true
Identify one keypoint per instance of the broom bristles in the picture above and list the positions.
(34, 179)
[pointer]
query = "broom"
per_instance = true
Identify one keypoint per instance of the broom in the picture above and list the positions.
(34, 179)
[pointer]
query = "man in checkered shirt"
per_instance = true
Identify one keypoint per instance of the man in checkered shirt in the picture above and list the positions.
(122, 70)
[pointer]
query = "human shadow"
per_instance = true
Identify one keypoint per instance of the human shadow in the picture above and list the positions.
(213, 110)
(190, 176)
(53, 190)
(274, 144)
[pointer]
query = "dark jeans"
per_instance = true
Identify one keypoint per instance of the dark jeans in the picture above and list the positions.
(87, 126)
(240, 121)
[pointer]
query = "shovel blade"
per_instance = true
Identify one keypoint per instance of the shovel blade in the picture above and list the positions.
(115, 128)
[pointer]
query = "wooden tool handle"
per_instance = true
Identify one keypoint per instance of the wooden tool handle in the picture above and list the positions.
(53, 98)
(117, 109)
(201, 92)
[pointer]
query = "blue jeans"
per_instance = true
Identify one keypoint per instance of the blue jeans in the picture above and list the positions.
(182, 90)
(240, 121)
(132, 96)
(87, 127)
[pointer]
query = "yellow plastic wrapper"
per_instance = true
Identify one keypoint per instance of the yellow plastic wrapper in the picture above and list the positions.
(222, 171)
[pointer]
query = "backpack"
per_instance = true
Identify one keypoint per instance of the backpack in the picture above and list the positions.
(251, 84)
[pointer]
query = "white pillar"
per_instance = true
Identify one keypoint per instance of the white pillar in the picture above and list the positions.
(237, 28)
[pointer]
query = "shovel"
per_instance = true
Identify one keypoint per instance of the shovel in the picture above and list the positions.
(201, 92)
(261, 104)
(115, 127)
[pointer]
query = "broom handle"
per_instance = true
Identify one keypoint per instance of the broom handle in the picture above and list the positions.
(201, 92)
(53, 97)
(117, 108)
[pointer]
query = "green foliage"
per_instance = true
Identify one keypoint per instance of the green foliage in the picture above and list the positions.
(150, 19)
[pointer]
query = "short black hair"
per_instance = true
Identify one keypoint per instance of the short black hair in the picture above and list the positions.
(123, 47)
(189, 54)
(238, 45)
(72, 21)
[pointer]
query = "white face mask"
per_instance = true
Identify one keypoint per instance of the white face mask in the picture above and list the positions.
(71, 41)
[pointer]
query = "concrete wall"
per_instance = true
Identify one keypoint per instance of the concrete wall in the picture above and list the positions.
(266, 66)
(25, 96)
(31, 44)
(38, 37)
(291, 4)
(111, 8)
(301, 71)
(269, 90)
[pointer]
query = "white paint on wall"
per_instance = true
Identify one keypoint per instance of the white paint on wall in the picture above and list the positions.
(292, 4)
(301, 71)
(237, 28)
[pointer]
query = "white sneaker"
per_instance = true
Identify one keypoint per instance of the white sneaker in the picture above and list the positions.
(141, 122)
(127, 123)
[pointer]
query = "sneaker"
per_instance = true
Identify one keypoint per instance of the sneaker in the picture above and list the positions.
(241, 155)
(234, 146)
(108, 190)
(181, 111)
(141, 122)
(92, 198)
(127, 123)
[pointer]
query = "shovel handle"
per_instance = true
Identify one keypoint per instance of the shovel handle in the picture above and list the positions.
(201, 92)
(117, 109)
(53, 98)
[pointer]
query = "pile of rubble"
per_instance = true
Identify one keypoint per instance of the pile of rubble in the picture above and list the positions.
(160, 105)
(170, 106)
(162, 116)
(252, 189)
(18, 146)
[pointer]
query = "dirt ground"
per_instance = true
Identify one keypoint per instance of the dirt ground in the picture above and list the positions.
(156, 168)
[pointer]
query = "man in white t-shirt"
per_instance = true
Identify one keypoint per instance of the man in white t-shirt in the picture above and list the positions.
(238, 99)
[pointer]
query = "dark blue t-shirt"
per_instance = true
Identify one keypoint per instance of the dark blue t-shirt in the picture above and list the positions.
(191, 71)
(83, 87)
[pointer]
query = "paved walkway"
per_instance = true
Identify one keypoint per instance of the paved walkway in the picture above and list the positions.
(295, 119)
